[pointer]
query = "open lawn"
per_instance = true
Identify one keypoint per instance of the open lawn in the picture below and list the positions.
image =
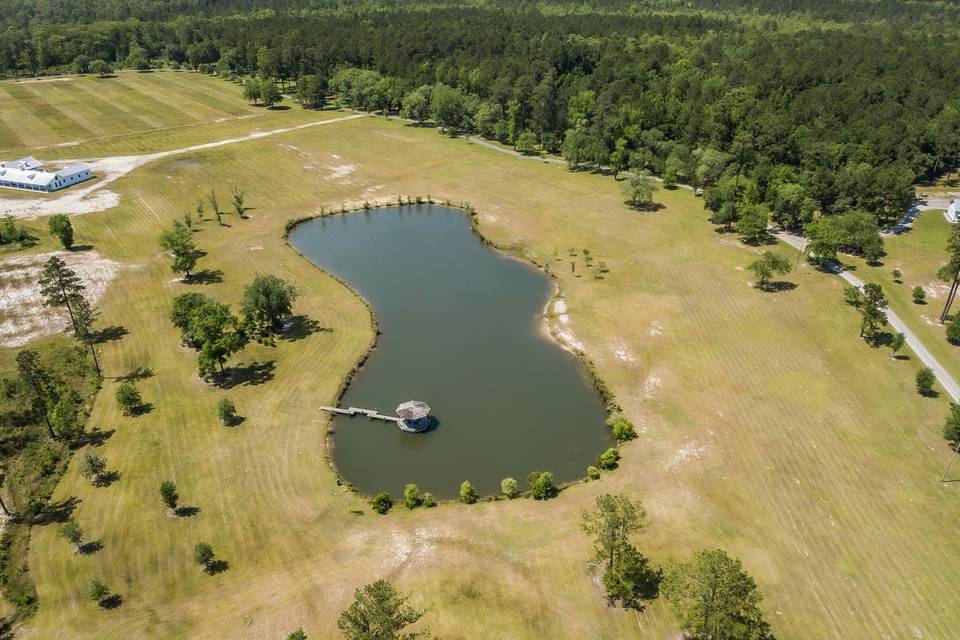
(766, 426)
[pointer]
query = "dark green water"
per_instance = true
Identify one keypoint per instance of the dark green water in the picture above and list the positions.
(462, 330)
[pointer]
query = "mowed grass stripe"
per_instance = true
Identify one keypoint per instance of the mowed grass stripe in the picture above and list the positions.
(216, 95)
(36, 121)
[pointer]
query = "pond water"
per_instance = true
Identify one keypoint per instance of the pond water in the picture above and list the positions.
(462, 329)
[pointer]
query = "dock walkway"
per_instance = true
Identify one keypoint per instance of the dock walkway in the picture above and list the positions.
(357, 411)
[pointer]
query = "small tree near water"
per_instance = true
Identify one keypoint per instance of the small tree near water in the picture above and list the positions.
(411, 496)
(381, 503)
(468, 495)
(508, 487)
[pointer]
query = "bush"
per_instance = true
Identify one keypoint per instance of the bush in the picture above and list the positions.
(203, 555)
(541, 486)
(227, 412)
(925, 380)
(98, 591)
(468, 495)
(593, 473)
(608, 459)
(411, 496)
(62, 229)
(508, 487)
(897, 275)
(919, 295)
(428, 500)
(128, 398)
(951, 428)
(168, 493)
(953, 330)
(621, 428)
(381, 503)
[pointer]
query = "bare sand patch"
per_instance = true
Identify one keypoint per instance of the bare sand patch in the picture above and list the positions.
(22, 314)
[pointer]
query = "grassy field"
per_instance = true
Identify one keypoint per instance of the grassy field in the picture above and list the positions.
(766, 426)
(919, 253)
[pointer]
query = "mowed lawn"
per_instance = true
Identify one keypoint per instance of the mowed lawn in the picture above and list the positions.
(82, 116)
(767, 427)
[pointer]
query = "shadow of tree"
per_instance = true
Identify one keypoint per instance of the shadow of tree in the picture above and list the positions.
(108, 334)
(216, 566)
(95, 437)
(89, 548)
(57, 512)
(186, 512)
(300, 327)
(774, 287)
(140, 373)
(252, 373)
(81, 247)
(206, 276)
(107, 478)
(142, 409)
(112, 601)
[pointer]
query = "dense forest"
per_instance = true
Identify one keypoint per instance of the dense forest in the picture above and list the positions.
(816, 107)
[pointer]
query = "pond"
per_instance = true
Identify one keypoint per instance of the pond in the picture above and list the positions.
(462, 329)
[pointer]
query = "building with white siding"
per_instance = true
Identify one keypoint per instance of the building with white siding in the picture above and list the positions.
(953, 211)
(27, 174)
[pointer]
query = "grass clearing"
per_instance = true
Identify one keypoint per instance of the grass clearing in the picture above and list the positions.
(765, 425)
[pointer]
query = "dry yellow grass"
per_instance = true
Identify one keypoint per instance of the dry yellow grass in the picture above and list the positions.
(766, 426)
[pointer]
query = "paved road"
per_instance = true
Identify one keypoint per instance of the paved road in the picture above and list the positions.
(946, 380)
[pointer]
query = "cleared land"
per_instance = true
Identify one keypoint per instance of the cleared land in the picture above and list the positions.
(766, 426)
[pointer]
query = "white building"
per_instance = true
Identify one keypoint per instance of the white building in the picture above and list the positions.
(27, 174)
(953, 211)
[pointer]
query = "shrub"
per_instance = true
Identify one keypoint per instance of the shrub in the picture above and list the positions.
(411, 496)
(128, 398)
(953, 330)
(62, 229)
(92, 467)
(951, 428)
(381, 503)
(98, 591)
(919, 295)
(621, 428)
(227, 412)
(897, 275)
(297, 635)
(608, 459)
(203, 555)
(468, 495)
(925, 380)
(508, 487)
(168, 493)
(428, 500)
(541, 486)
(593, 473)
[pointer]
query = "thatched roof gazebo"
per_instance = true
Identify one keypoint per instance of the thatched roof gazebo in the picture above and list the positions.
(414, 415)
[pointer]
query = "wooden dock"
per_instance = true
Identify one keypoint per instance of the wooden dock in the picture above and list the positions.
(357, 411)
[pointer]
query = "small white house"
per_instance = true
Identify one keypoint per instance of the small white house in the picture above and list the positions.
(953, 211)
(27, 174)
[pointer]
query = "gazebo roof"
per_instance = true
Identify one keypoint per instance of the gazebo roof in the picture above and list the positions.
(413, 410)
